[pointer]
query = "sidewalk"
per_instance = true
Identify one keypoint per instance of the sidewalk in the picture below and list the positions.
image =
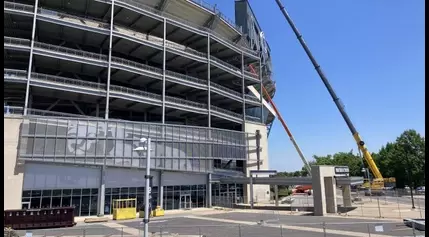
(168, 214)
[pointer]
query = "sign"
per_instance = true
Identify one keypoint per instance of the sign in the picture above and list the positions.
(342, 171)
(379, 228)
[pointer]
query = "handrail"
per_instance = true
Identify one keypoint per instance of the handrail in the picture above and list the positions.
(114, 88)
(121, 61)
(209, 7)
(187, 23)
(251, 97)
(225, 111)
(18, 6)
(124, 30)
(225, 89)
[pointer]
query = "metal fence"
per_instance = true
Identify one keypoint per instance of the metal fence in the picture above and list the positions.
(269, 228)
(390, 206)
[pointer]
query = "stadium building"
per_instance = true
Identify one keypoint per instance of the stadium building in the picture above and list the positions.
(85, 80)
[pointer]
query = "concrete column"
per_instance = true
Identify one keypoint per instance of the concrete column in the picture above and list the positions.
(330, 195)
(276, 194)
(347, 196)
(101, 191)
(161, 189)
(318, 186)
(209, 191)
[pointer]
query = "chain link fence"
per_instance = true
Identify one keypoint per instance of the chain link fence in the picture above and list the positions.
(395, 204)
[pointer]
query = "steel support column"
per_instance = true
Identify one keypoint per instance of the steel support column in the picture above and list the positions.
(161, 189)
(208, 83)
(30, 61)
(261, 92)
(101, 192)
(243, 91)
(209, 191)
(164, 41)
(106, 112)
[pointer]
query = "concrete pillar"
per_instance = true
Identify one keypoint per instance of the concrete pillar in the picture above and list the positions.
(276, 194)
(330, 195)
(101, 191)
(347, 196)
(209, 191)
(318, 192)
(161, 189)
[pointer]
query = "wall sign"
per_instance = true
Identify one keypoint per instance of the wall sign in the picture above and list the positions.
(342, 171)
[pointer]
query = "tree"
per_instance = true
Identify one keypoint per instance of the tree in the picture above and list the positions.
(349, 159)
(403, 157)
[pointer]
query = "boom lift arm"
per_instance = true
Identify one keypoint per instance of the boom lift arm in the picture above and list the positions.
(301, 155)
(378, 181)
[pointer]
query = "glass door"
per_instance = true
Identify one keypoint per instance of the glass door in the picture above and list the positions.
(185, 201)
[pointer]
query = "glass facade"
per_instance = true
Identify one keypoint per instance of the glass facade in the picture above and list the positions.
(84, 141)
(85, 201)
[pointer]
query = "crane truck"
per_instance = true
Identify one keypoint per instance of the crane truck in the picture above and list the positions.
(378, 181)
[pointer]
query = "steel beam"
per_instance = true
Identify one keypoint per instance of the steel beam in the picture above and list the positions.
(30, 61)
(112, 13)
(164, 43)
(208, 83)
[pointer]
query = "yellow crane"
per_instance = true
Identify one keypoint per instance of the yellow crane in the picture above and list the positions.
(378, 181)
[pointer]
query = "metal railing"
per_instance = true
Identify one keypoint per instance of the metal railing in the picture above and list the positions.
(209, 7)
(115, 88)
(180, 101)
(69, 51)
(234, 69)
(30, 9)
(187, 23)
(225, 89)
(18, 6)
(225, 111)
(251, 97)
(130, 91)
(253, 119)
(16, 41)
(123, 62)
(275, 227)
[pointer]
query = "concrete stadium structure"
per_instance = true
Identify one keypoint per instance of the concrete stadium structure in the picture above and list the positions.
(84, 80)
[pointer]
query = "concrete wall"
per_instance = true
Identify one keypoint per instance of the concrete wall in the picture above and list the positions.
(13, 172)
(261, 193)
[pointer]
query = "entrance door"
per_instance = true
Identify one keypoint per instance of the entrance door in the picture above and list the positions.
(185, 201)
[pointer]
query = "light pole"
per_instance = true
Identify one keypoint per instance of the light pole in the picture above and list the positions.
(410, 180)
(147, 177)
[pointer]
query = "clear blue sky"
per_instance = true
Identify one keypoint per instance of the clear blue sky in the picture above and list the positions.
(373, 54)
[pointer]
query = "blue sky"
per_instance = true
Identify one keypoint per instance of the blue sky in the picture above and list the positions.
(373, 54)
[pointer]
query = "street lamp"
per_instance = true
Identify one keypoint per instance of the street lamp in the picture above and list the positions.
(146, 147)
(410, 179)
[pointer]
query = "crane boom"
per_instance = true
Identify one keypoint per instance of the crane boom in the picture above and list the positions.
(301, 155)
(361, 144)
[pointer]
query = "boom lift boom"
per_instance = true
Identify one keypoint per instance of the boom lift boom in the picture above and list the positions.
(378, 181)
(279, 116)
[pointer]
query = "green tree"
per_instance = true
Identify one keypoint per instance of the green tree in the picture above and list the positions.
(349, 159)
(403, 157)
